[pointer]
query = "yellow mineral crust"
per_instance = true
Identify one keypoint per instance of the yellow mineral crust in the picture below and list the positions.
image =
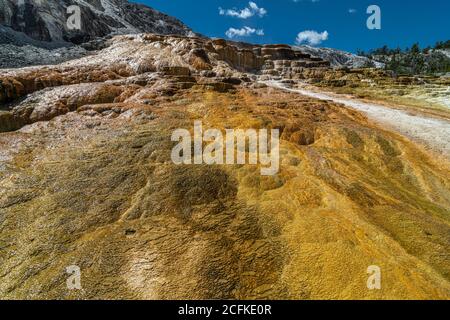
(96, 188)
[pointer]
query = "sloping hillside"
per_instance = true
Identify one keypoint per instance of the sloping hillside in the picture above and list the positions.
(86, 179)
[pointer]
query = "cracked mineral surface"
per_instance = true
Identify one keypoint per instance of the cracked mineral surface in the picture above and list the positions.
(86, 179)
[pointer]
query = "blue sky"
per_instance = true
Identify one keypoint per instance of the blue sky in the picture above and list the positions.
(280, 21)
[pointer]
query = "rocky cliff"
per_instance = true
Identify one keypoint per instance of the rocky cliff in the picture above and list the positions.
(46, 21)
(37, 33)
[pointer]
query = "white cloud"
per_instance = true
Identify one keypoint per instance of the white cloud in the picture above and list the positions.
(243, 32)
(311, 37)
(245, 13)
(351, 10)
